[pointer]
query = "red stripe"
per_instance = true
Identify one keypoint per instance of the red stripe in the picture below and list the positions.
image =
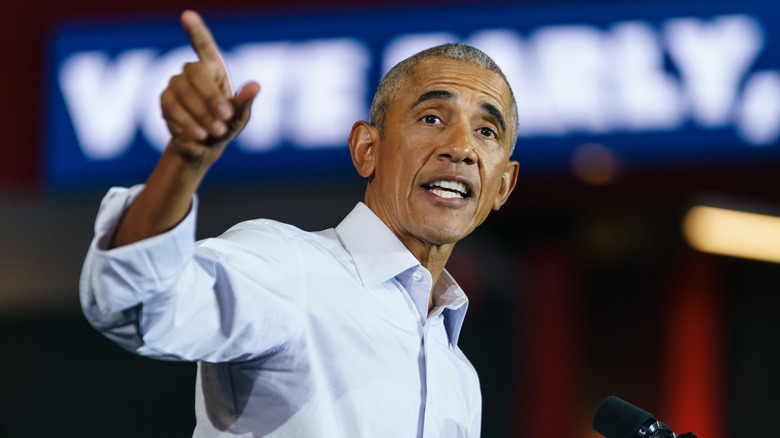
(693, 380)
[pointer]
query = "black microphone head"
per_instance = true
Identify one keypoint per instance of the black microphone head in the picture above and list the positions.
(615, 418)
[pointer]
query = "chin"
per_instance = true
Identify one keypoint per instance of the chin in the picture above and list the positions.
(442, 236)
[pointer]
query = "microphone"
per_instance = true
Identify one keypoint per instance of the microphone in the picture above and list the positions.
(615, 418)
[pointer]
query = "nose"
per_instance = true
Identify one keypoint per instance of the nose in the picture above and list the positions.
(458, 146)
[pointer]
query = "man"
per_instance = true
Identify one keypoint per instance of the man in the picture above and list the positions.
(348, 332)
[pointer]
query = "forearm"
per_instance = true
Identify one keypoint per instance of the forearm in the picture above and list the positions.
(164, 202)
(168, 298)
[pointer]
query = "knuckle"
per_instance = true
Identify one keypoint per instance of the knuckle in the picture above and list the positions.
(167, 101)
(180, 86)
(175, 80)
(189, 67)
(194, 69)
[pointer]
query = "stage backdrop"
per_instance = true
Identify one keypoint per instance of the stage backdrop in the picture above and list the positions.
(648, 84)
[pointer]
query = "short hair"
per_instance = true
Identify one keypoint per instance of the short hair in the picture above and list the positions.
(395, 79)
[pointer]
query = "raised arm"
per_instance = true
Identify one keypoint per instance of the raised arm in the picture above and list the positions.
(203, 115)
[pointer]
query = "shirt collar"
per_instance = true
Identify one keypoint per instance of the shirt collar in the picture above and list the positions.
(375, 249)
(380, 256)
(453, 301)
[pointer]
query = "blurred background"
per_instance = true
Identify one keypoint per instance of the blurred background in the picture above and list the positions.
(637, 256)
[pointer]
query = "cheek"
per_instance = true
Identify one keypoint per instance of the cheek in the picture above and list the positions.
(398, 177)
(492, 180)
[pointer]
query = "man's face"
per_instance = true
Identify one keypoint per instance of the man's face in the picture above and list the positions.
(442, 162)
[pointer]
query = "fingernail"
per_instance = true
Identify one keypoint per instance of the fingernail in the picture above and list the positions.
(218, 128)
(200, 133)
(224, 111)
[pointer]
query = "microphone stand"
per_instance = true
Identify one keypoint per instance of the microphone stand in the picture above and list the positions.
(655, 429)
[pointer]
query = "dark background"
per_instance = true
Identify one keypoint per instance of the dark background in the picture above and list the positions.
(577, 291)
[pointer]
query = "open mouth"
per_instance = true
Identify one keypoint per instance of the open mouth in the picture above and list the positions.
(448, 189)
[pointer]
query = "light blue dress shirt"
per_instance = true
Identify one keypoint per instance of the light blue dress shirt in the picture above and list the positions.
(297, 334)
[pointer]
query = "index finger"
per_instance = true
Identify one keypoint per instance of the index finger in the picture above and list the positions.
(200, 36)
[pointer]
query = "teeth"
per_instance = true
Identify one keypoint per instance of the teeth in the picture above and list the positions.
(454, 189)
(446, 194)
(452, 185)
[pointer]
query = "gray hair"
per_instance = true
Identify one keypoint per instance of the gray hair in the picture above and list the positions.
(395, 79)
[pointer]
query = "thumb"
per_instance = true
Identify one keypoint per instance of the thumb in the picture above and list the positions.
(245, 95)
(242, 105)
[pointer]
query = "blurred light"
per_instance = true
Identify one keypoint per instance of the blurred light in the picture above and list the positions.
(594, 164)
(733, 233)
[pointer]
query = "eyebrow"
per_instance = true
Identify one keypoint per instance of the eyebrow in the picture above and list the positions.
(433, 94)
(495, 112)
(446, 95)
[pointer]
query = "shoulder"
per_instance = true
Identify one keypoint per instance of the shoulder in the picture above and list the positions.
(268, 234)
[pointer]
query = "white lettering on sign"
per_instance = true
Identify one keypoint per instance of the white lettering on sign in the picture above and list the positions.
(713, 57)
(265, 62)
(642, 95)
(311, 94)
(568, 80)
(758, 119)
(330, 83)
(101, 97)
(570, 63)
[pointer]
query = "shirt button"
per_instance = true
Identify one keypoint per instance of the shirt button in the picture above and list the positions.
(417, 275)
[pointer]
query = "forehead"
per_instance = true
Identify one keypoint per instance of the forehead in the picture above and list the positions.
(457, 76)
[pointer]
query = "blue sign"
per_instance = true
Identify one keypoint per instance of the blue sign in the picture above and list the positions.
(653, 83)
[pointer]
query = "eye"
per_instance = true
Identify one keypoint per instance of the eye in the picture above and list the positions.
(431, 119)
(487, 132)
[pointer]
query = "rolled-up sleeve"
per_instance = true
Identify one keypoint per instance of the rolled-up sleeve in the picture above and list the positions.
(170, 298)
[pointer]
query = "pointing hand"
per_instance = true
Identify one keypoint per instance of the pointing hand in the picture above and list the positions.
(199, 106)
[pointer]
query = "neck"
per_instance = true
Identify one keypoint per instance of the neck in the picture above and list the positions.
(432, 257)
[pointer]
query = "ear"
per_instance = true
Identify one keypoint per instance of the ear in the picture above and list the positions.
(362, 140)
(508, 181)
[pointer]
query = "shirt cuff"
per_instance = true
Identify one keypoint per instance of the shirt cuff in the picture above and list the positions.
(126, 276)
